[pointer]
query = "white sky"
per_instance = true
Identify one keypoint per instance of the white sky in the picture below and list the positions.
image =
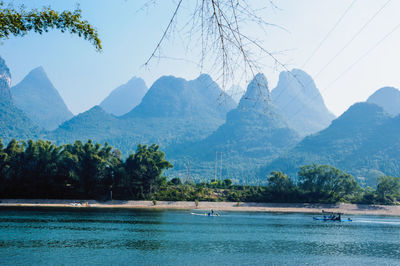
(84, 77)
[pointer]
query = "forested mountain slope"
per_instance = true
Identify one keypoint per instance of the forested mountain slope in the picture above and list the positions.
(13, 122)
(253, 133)
(364, 139)
(37, 97)
(172, 111)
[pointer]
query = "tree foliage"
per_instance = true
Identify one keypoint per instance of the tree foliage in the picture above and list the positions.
(144, 169)
(327, 183)
(388, 189)
(85, 170)
(41, 169)
(280, 188)
(19, 21)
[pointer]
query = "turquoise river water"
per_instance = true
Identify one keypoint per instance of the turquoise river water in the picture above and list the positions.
(49, 236)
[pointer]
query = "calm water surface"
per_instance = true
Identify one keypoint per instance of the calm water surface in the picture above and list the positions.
(94, 236)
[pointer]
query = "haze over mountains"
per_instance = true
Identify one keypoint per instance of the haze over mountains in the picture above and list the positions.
(13, 122)
(124, 98)
(364, 139)
(301, 102)
(41, 102)
(254, 132)
(388, 98)
(236, 92)
(173, 110)
(171, 97)
(195, 120)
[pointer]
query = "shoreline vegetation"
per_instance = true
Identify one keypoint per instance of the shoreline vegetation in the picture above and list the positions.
(43, 170)
(355, 209)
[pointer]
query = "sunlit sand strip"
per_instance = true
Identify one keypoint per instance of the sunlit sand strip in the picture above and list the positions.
(218, 206)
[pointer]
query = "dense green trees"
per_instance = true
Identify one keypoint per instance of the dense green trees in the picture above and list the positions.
(327, 184)
(280, 188)
(388, 189)
(143, 170)
(41, 169)
(85, 170)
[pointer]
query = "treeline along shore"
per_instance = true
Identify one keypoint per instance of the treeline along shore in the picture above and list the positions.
(91, 171)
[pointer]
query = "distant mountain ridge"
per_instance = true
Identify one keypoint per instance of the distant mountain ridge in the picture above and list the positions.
(198, 97)
(253, 133)
(362, 140)
(13, 122)
(124, 98)
(298, 98)
(195, 121)
(172, 111)
(388, 98)
(37, 97)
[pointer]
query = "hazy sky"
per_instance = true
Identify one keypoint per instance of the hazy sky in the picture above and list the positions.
(85, 77)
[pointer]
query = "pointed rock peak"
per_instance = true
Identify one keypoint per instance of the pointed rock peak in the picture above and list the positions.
(125, 97)
(36, 80)
(257, 90)
(388, 98)
(205, 78)
(135, 80)
(302, 76)
(297, 79)
(260, 80)
(258, 83)
(135, 83)
(205, 84)
(167, 82)
(301, 102)
(40, 100)
(96, 109)
(37, 71)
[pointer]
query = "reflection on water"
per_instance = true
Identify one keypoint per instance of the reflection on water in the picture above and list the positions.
(93, 236)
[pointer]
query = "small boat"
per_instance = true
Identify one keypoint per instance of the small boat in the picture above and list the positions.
(210, 214)
(332, 217)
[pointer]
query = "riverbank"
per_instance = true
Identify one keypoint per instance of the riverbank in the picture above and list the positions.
(220, 206)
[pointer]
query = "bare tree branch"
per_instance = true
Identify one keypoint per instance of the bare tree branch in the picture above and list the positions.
(225, 46)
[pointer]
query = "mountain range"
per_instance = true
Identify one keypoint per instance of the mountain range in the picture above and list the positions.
(173, 111)
(254, 132)
(363, 140)
(196, 122)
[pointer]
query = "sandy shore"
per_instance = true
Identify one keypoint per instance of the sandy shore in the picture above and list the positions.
(222, 206)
